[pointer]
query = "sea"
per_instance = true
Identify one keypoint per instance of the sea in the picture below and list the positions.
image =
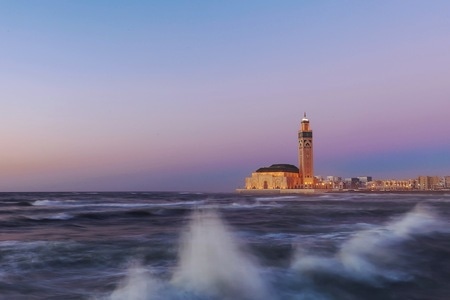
(171, 245)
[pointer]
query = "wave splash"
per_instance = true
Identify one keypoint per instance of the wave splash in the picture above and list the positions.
(212, 265)
(138, 284)
(376, 255)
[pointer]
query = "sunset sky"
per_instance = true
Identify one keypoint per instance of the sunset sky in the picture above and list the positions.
(195, 95)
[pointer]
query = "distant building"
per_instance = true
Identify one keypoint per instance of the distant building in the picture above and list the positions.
(333, 182)
(392, 185)
(423, 182)
(280, 176)
(364, 179)
(447, 182)
(286, 176)
(427, 183)
(334, 179)
(305, 153)
(355, 183)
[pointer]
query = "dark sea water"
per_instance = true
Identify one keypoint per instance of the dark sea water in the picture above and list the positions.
(224, 246)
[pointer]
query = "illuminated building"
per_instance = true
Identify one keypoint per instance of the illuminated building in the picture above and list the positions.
(305, 153)
(286, 176)
(280, 176)
(447, 182)
(392, 185)
(430, 183)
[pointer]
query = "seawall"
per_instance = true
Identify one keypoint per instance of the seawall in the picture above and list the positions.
(283, 191)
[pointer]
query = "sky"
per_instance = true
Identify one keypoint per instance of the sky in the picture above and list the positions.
(196, 95)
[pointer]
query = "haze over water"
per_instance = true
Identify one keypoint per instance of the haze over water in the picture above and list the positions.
(224, 246)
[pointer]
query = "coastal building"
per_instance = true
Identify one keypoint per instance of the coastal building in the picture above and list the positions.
(427, 183)
(334, 179)
(279, 176)
(447, 182)
(334, 183)
(392, 185)
(287, 176)
(305, 153)
(364, 179)
(424, 183)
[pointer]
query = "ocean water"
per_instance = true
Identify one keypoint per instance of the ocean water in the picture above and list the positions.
(102, 246)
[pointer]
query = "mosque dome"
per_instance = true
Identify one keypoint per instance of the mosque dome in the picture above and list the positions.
(279, 168)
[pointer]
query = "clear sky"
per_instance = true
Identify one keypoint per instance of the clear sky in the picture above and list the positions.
(195, 95)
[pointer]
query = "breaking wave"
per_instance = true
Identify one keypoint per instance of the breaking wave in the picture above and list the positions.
(213, 264)
(378, 254)
(138, 284)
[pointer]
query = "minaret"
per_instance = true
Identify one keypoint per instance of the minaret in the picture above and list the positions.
(305, 153)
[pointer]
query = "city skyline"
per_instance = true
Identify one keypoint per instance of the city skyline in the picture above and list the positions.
(143, 95)
(287, 178)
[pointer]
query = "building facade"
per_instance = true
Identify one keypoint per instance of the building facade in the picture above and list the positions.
(392, 185)
(427, 183)
(305, 153)
(447, 182)
(286, 176)
(279, 176)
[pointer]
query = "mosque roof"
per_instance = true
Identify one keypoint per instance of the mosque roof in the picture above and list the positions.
(279, 168)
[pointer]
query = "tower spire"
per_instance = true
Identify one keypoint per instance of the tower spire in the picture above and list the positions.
(305, 153)
(305, 119)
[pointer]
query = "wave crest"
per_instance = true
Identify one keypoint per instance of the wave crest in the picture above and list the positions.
(379, 253)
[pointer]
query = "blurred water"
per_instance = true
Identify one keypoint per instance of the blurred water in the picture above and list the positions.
(224, 246)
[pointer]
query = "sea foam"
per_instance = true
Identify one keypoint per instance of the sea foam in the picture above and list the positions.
(138, 284)
(211, 265)
(211, 262)
(375, 254)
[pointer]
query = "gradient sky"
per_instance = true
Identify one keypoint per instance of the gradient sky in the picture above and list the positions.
(195, 95)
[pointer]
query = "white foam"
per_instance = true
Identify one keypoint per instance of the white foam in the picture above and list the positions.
(10, 243)
(275, 198)
(181, 203)
(253, 205)
(73, 203)
(421, 220)
(47, 203)
(212, 263)
(367, 253)
(60, 216)
(138, 284)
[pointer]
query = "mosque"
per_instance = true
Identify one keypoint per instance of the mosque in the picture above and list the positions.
(285, 176)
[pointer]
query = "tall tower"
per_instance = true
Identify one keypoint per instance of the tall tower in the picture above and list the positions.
(305, 153)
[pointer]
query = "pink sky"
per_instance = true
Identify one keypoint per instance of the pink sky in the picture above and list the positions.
(146, 96)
